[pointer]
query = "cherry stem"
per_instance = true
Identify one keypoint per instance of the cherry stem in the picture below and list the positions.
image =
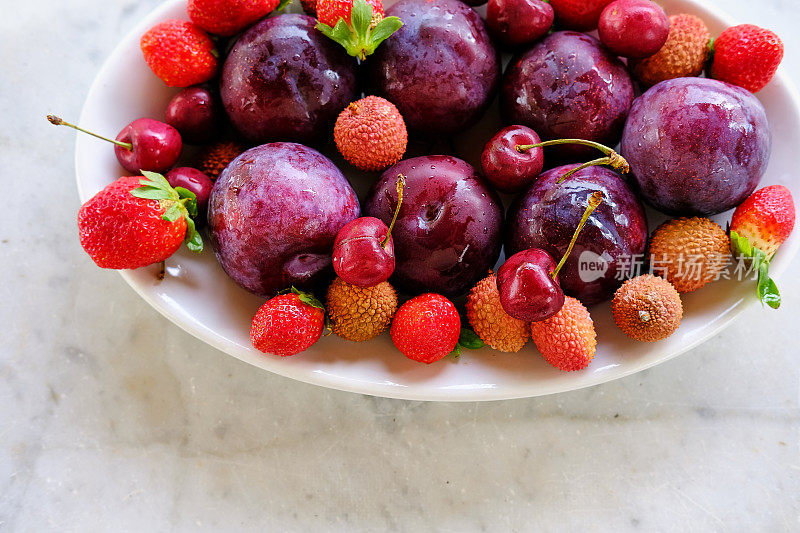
(56, 121)
(612, 159)
(595, 199)
(401, 182)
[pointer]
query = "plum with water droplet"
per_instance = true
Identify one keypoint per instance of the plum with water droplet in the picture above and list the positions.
(448, 230)
(285, 81)
(274, 214)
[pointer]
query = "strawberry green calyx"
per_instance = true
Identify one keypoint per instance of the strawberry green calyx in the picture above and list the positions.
(362, 35)
(307, 298)
(767, 289)
(177, 202)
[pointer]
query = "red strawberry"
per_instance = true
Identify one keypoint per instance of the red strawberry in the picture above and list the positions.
(288, 324)
(747, 56)
(581, 15)
(758, 227)
(179, 53)
(137, 221)
(426, 328)
(358, 25)
(227, 17)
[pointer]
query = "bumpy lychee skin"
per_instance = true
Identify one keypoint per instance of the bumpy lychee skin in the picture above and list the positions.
(371, 134)
(689, 252)
(360, 313)
(647, 308)
(492, 324)
(213, 159)
(684, 53)
(567, 340)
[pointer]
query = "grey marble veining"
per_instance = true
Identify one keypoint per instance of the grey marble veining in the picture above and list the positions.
(113, 419)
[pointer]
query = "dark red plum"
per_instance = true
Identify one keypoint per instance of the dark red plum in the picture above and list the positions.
(568, 86)
(614, 235)
(274, 214)
(284, 80)
(448, 230)
(696, 146)
(516, 23)
(440, 69)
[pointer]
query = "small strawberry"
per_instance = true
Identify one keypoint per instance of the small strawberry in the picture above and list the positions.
(759, 226)
(581, 15)
(684, 54)
(179, 53)
(227, 17)
(747, 56)
(426, 328)
(288, 324)
(358, 25)
(371, 134)
(137, 221)
(567, 340)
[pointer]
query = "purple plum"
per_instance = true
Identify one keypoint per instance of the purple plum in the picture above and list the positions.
(284, 80)
(614, 236)
(440, 69)
(568, 86)
(448, 231)
(274, 214)
(696, 146)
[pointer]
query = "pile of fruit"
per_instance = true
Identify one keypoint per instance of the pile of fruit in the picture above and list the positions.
(260, 88)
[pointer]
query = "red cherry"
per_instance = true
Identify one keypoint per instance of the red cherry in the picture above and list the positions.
(528, 280)
(363, 252)
(144, 144)
(194, 181)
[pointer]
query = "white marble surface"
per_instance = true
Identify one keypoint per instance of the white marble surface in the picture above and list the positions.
(112, 419)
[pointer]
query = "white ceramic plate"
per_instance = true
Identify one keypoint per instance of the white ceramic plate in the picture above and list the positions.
(201, 299)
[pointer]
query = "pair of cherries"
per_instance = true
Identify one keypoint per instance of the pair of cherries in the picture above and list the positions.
(155, 146)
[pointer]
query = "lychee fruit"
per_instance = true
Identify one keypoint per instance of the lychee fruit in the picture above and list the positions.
(491, 323)
(371, 134)
(213, 159)
(684, 54)
(647, 308)
(689, 252)
(360, 313)
(567, 340)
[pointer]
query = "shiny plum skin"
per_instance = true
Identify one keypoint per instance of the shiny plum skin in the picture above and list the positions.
(547, 215)
(507, 169)
(195, 113)
(516, 23)
(274, 214)
(359, 257)
(568, 86)
(696, 146)
(448, 232)
(285, 81)
(633, 28)
(440, 69)
(527, 289)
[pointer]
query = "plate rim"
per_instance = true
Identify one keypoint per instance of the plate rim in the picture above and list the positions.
(395, 390)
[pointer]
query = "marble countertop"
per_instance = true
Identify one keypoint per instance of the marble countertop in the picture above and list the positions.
(113, 419)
